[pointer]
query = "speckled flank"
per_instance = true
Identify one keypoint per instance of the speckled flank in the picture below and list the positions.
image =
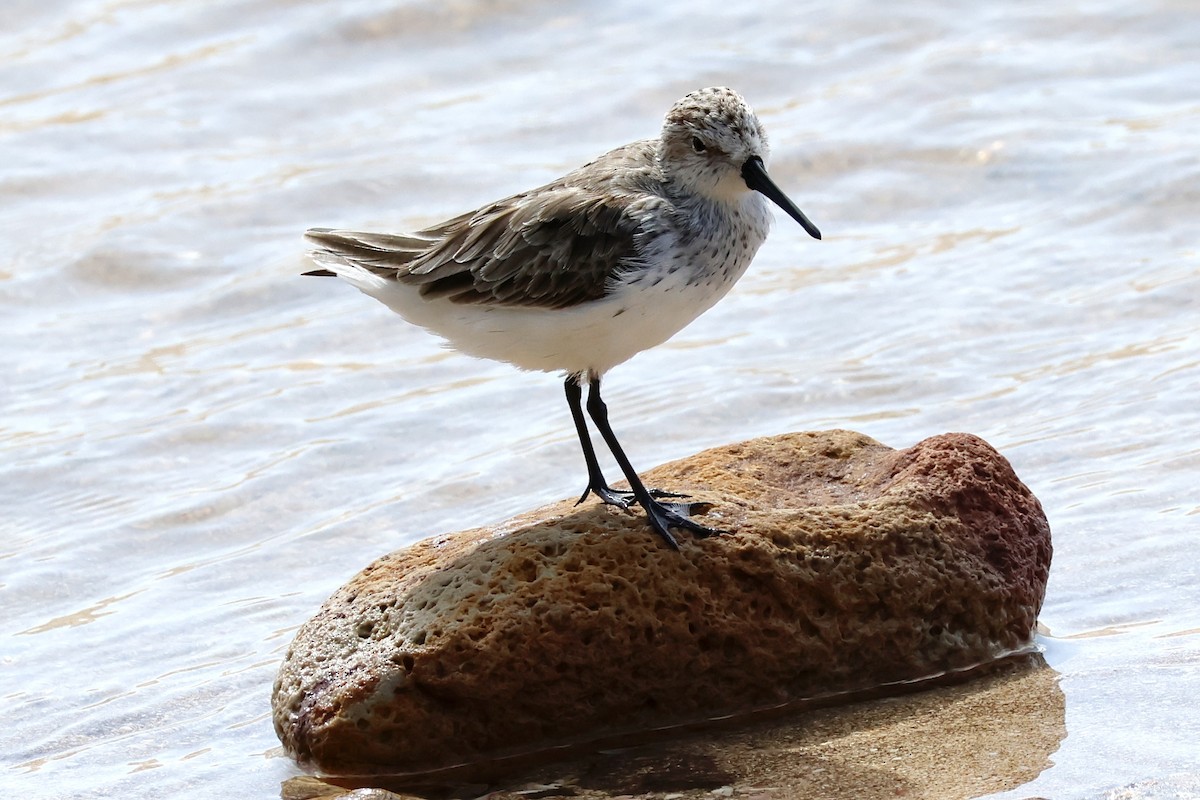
(582, 273)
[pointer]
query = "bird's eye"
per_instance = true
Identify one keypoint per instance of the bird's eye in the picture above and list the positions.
(698, 145)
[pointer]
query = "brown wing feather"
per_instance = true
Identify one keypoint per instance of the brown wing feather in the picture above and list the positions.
(548, 251)
(552, 247)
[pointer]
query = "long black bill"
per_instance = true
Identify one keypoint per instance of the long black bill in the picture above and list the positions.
(755, 176)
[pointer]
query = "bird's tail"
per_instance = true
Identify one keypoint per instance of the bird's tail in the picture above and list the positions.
(366, 260)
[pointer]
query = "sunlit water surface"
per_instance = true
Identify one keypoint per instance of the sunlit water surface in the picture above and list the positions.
(197, 445)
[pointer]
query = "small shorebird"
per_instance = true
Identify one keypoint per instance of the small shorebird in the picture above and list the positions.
(581, 274)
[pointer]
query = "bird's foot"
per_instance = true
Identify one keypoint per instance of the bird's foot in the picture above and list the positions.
(623, 498)
(664, 516)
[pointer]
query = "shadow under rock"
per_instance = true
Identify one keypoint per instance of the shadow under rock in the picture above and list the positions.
(957, 736)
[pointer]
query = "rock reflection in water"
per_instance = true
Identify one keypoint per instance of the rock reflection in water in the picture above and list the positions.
(964, 739)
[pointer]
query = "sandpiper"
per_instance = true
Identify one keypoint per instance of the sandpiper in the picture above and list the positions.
(581, 274)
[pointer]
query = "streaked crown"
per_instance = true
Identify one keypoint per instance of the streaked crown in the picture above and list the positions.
(706, 139)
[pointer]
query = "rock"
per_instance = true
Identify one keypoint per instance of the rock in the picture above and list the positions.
(849, 565)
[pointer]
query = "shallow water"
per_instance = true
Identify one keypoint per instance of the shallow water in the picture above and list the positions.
(197, 446)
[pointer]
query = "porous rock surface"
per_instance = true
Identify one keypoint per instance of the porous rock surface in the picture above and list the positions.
(847, 564)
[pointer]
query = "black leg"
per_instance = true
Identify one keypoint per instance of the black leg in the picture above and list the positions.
(662, 516)
(596, 483)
